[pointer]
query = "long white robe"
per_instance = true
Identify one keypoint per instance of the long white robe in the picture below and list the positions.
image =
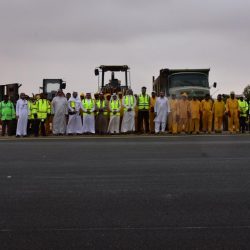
(161, 109)
(128, 121)
(88, 121)
(114, 122)
(75, 122)
(59, 110)
(22, 111)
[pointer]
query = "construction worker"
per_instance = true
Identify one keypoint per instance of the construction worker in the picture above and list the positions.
(184, 113)
(195, 110)
(115, 107)
(22, 113)
(43, 109)
(7, 114)
(243, 107)
(74, 125)
(207, 114)
(88, 105)
(161, 109)
(218, 112)
(136, 113)
(232, 109)
(172, 116)
(152, 113)
(102, 115)
(120, 96)
(143, 111)
(33, 115)
(128, 121)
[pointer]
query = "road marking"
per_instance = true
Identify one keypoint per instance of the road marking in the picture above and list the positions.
(127, 229)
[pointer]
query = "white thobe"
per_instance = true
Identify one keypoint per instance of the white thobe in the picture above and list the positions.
(75, 122)
(59, 110)
(161, 109)
(22, 111)
(128, 121)
(114, 122)
(88, 120)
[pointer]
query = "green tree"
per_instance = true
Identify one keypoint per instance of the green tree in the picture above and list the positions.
(246, 92)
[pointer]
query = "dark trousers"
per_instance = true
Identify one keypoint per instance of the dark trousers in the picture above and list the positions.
(6, 123)
(242, 124)
(143, 116)
(37, 124)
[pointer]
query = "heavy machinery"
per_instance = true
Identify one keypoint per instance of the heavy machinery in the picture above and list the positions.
(177, 81)
(51, 86)
(12, 90)
(114, 85)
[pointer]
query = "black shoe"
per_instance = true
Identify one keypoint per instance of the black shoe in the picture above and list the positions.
(18, 136)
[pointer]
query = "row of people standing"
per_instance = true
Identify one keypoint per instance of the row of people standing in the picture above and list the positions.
(115, 114)
(193, 116)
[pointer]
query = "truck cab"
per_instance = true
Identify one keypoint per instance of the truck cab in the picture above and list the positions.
(176, 81)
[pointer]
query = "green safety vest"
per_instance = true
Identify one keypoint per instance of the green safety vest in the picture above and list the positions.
(87, 105)
(43, 108)
(115, 106)
(101, 105)
(243, 108)
(143, 103)
(129, 101)
(7, 111)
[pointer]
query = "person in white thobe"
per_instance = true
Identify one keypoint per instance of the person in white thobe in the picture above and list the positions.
(59, 106)
(88, 120)
(128, 121)
(161, 110)
(22, 114)
(114, 122)
(74, 125)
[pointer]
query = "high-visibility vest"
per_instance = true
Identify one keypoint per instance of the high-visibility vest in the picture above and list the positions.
(129, 101)
(101, 105)
(33, 109)
(87, 105)
(43, 108)
(72, 104)
(144, 102)
(243, 108)
(7, 111)
(115, 106)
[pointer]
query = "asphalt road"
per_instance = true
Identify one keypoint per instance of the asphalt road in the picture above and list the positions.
(190, 192)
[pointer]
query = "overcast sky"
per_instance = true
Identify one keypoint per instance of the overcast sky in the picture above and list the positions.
(68, 39)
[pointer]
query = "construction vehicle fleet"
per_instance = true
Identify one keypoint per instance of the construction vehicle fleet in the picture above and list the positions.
(170, 81)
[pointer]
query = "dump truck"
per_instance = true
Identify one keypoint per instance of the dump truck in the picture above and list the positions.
(114, 84)
(176, 81)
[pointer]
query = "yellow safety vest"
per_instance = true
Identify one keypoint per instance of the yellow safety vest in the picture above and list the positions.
(43, 108)
(115, 106)
(144, 102)
(243, 108)
(129, 101)
(87, 105)
(101, 105)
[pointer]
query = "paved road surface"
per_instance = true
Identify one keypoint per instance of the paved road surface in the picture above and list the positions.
(125, 193)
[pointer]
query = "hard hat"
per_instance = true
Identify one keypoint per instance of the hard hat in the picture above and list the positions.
(82, 94)
(184, 94)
